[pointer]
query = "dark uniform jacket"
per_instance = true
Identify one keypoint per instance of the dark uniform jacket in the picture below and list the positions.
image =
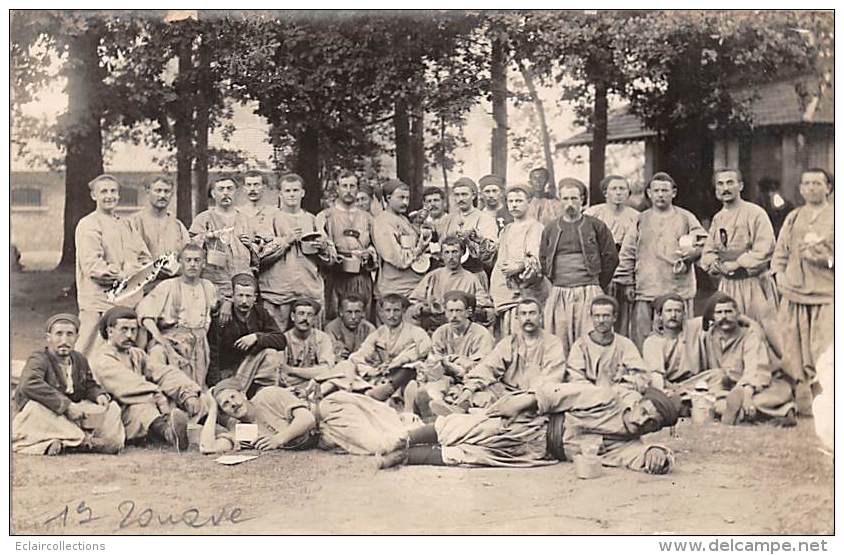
(44, 381)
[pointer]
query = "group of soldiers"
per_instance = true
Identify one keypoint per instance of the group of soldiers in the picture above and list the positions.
(519, 329)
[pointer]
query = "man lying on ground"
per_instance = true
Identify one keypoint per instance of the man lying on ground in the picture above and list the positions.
(58, 405)
(554, 422)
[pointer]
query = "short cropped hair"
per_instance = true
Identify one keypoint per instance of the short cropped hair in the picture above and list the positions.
(530, 300)
(662, 176)
(255, 173)
(394, 298)
(156, 178)
(224, 177)
(454, 240)
(290, 178)
(304, 301)
(604, 300)
(826, 174)
(191, 247)
(351, 298)
(244, 280)
(348, 173)
(467, 299)
(725, 170)
(430, 190)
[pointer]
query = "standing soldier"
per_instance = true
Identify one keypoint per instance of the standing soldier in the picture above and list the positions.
(259, 215)
(397, 242)
(803, 262)
(107, 251)
(289, 268)
(224, 232)
(517, 269)
(350, 229)
(477, 229)
(492, 189)
(578, 256)
(657, 257)
(160, 230)
(738, 251)
(543, 210)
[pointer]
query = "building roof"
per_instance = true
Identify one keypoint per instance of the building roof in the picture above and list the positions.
(777, 103)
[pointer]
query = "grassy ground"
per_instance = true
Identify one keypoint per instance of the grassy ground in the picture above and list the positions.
(742, 480)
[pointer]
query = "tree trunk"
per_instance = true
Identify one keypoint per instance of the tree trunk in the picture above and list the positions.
(184, 132)
(203, 114)
(598, 148)
(527, 75)
(417, 157)
(401, 126)
(307, 166)
(84, 146)
(498, 74)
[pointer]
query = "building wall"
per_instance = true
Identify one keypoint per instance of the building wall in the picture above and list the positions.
(40, 228)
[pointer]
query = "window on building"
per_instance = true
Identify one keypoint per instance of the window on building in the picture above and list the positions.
(128, 196)
(26, 196)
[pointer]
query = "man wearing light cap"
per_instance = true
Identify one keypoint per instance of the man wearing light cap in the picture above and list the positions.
(397, 242)
(551, 422)
(59, 407)
(144, 391)
(107, 251)
(474, 227)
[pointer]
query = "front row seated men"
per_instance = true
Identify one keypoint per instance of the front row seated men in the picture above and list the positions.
(145, 391)
(548, 423)
(724, 353)
(57, 400)
(349, 330)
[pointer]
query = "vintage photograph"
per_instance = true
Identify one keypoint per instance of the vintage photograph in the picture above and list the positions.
(428, 272)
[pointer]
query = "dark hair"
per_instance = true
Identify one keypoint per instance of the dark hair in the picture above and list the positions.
(660, 301)
(221, 178)
(604, 300)
(467, 299)
(190, 246)
(244, 280)
(605, 182)
(352, 298)
(304, 301)
(160, 177)
(724, 170)
(394, 298)
(433, 191)
(453, 240)
(661, 176)
(826, 174)
(709, 310)
(254, 173)
(348, 173)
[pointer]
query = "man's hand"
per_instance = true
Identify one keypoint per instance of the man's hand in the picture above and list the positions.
(729, 267)
(74, 412)
(193, 406)
(103, 400)
(296, 235)
(511, 406)
(656, 461)
(246, 342)
(245, 239)
(265, 443)
(225, 314)
(630, 293)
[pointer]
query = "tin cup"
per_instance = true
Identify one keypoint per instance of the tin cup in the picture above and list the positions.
(701, 408)
(587, 467)
(194, 433)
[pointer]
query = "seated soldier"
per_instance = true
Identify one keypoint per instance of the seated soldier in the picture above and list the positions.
(283, 420)
(427, 296)
(739, 371)
(142, 389)
(554, 422)
(177, 314)
(389, 357)
(248, 342)
(456, 347)
(309, 354)
(723, 354)
(603, 357)
(516, 361)
(58, 405)
(349, 330)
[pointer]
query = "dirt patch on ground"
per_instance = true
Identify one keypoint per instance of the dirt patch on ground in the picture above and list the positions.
(729, 480)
